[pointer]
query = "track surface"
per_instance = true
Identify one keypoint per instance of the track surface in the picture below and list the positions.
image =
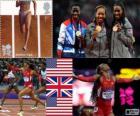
(32, 51)
(6, 33)
(11, 108)
(46, 36)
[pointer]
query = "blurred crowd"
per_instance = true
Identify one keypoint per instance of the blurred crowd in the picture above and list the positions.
(18, 62)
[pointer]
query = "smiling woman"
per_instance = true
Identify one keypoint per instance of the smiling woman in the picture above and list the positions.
(25, 18)
(37, 41)
(71, 40)
(96, 37)
(122, 34)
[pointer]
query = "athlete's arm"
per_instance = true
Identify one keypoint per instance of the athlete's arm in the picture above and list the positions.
(35, 6)
(86, 79)
(17, 3)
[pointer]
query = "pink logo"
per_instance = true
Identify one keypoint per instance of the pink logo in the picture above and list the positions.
(126, 96)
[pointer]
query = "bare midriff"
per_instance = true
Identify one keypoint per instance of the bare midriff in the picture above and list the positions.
(24, 6)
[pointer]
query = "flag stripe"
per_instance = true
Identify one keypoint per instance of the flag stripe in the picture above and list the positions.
(63, 63)
(59, 108)
(64, 60)
(64, 105)
(64, 102)
(60, 72)
(63, 98)
(59, 114)
(59, 111)
(58, 69)
(59, 75)
(64, 66)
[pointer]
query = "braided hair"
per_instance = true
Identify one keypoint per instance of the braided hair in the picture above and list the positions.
(99, 69)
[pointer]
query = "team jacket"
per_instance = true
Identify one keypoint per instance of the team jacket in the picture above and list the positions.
(122, 41)
(100, 48)
(67, 36)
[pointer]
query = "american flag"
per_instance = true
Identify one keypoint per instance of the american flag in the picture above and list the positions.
(59, 106)
(59, 67)
(59, 87)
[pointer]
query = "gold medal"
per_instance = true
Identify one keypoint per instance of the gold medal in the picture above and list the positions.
(98, 28)
(115, 28)
(78, 33)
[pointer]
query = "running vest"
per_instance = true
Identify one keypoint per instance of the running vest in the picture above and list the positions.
(11, 77)
(107, 88)
(27, 77)
(43, 74)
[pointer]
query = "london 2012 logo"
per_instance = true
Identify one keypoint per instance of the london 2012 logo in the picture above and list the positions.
(126, 96)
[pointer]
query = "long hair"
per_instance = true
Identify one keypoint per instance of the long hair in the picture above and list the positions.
(99, 69)
(122, 19)
(107, 26)
(95, 88)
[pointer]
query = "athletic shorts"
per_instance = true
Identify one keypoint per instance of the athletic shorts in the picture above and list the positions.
(23, 15)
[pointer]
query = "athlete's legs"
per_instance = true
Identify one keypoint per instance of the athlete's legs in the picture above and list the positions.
(22, 22)
(39, 91)
(27, 27)
(16, 89)
(36, 99)
(25, 91)
(5, 94)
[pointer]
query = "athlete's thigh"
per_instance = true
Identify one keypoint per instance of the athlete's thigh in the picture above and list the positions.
(24, 91)
(28, 20)
(41, 89)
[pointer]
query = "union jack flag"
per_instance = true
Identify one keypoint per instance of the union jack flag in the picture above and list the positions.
(59, 87)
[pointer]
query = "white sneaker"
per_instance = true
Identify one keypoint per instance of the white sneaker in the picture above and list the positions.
(20, 113)
(34, 107)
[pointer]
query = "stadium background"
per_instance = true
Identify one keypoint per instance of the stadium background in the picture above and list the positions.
(123, 68)
(19, 63)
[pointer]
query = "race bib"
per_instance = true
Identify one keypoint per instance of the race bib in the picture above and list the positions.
(26, 79)
(107, 94)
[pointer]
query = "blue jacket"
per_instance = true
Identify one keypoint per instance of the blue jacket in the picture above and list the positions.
(67, 37)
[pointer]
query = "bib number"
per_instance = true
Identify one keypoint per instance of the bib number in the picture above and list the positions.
(107, 95)
(26, 79)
